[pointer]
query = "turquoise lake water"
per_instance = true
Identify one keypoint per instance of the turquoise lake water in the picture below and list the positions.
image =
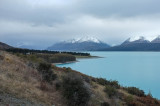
(139, 69)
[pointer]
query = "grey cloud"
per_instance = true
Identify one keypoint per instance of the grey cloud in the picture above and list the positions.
(119, 8)
(23, 11)
(55, 20)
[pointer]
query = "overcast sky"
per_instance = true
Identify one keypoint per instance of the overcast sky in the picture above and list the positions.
(45, 22)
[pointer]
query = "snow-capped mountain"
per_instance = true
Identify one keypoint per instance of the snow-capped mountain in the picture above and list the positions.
(84, 39)
(142, 39)
(138, 44)
(139, 39)
(79, 44)
(156, 40)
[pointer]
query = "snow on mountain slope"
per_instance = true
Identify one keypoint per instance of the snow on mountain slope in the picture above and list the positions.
(79, 44)
(84, 39)
(156, 40)
(140, 38)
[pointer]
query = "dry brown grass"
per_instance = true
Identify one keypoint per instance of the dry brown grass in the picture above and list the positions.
(22, 81)
(99, 95)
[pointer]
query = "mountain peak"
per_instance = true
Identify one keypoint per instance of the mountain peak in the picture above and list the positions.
(158, 36)
(156, 40)
(80, 44)
(84, 39)
(137, 38)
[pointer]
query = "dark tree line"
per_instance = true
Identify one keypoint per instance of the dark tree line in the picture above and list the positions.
(77, 53)
(31, 51)
(56, 58)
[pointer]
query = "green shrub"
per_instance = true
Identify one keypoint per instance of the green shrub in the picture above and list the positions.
(68, 69)
(58, 85)
(135, 91)
(110, 91)
(46, 72)
(105, 104)
(104, 82)
(62, 58)
(87, 79)
(1, 57)
(43, 85)
(129, 99)
(74, 90)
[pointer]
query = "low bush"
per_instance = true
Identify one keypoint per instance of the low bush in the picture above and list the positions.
(135, 91)
(110, 91)
(87, 79)
(61, 58)
(68, 69)
(1, 57)
(149, 101)
(43, 85)
(46, 72)
(58, 85)
(104, 82)
(129, 99)
(74, 90)
(105, 104)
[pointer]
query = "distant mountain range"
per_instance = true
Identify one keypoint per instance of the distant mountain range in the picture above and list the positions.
(137, 44)
(80, 44)
(94, 44)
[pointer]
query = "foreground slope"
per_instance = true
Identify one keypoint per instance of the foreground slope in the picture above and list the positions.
(26, 82)
(19, 79)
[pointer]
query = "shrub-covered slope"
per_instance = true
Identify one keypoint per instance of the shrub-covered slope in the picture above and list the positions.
(27, 82)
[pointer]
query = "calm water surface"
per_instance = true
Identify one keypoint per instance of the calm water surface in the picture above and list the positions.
(139, 69)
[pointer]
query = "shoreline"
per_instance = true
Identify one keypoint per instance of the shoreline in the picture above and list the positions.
(80, 57)
(87, 57)
(65, 62)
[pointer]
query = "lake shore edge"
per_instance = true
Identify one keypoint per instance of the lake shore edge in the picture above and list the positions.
(79, 57)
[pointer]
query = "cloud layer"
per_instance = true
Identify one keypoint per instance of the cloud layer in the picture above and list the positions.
(48, 21)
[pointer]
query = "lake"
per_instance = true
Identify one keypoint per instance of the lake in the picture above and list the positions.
(139, 69)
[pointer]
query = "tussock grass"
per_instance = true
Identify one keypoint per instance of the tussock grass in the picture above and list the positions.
(22, 81)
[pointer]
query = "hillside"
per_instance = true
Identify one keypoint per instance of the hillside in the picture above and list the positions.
(4, 46)
(27, 82)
